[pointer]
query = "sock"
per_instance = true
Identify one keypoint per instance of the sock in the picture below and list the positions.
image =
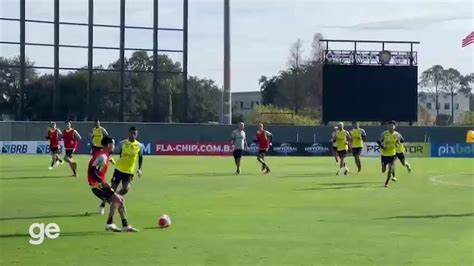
(59, 160)
(52, 164)
(124, 223)
(110, 220)
(393, 173)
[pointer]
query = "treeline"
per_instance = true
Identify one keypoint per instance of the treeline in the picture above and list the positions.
(204, 96)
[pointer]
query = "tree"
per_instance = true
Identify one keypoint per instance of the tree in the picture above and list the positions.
(432, 78)
(299, 87)
(204, 100)
(451, 83)
(296, 61)
(317, 47)
(10, 83)
(139, 100)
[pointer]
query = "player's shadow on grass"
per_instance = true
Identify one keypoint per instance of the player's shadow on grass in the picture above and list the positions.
(46, 217)
(62, 234)
(348, 183)
(33, 177)
(330, 188)
(429, 216)
(306, 175)
(226, 174)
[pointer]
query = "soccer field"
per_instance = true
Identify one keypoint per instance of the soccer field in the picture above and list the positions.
(301, 214)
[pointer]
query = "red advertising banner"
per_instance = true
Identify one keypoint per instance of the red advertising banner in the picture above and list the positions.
(193, 148)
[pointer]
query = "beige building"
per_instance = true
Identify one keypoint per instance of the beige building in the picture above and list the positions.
(245, 102)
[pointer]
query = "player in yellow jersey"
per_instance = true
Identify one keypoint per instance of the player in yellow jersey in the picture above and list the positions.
(358, 136)
(129, 163)
(98, 132)
(401, 155)
(342, 138)
(388, 142)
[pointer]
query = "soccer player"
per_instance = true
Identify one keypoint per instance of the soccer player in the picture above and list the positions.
(358, 136)
(342, 138)
(239, 141)
(401, 156)
(388, 142)
(131, 153)
(264, 139)
(96, 176)
(54, 137)
(98, 132)
(334, 146)
(71, 138)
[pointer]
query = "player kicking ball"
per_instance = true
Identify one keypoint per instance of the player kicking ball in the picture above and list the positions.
(342, 138)
(71, 139)
(96, 176)
(131, 153)
(264, 140)
(388, 144)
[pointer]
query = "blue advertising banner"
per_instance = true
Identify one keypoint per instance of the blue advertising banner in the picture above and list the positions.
(452, 150)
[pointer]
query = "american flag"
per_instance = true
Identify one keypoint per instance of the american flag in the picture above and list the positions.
(468, 40)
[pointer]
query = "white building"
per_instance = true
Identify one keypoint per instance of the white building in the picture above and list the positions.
(245, 102)
(427, 100)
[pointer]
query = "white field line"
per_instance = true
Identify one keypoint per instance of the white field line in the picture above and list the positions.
(436, 179)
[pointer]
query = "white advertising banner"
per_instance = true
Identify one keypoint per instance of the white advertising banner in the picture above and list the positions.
(24, 147)
(412, 149)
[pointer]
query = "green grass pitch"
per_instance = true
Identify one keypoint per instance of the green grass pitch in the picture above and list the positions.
(301, 214)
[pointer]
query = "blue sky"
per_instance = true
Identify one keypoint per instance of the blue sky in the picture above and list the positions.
(262, 31)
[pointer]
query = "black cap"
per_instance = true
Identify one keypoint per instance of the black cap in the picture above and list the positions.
(132, 129)
(392, 122)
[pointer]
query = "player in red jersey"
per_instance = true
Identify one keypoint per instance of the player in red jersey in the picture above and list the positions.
(264, 139)
(54, 137)
(71, 139)
(96, 176)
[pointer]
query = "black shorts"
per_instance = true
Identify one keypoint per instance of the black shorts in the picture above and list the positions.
(262, 152)
(356, 151)
(104, 194)
(121, 177)
(54, 150)
(401, 156)
(69, 152)
(342, 154)
(238, 154)
(334, 149)
(387, 160)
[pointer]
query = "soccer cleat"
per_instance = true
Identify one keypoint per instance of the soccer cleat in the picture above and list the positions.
(129, 228)
(346, 171)
(101, 210)
(409, 168)
(394, 179)
(238, 171)
(267, 171)
(112, 227)
(50, 168)
(386, 185)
